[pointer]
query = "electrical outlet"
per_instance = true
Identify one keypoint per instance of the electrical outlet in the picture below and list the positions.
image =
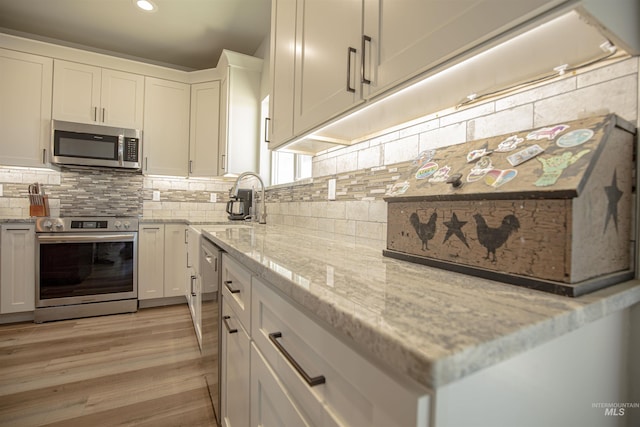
(331, 194)
(1, 190)
(213, 197)
(156, 196)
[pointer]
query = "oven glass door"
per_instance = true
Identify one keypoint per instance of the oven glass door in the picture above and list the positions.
(79, 268)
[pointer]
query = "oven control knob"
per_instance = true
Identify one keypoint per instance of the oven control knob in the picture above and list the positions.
(47, 224)
(59, 226)
(127, 225)
(117, 224)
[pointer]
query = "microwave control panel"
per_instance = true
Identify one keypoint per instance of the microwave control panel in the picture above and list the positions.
(131, 149)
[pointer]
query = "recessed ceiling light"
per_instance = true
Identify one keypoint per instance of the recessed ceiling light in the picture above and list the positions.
(146, 5)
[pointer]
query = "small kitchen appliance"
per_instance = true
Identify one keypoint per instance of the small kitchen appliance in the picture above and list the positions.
(239, 207)
(85, 267)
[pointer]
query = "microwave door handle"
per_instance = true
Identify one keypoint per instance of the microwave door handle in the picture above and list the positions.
(121, 150)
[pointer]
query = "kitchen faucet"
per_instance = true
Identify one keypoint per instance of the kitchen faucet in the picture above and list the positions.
(234, 191)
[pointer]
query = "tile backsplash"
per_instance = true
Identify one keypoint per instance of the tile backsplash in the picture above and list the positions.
(363, 171)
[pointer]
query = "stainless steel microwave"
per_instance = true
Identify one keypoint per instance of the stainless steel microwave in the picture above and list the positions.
(95, 145)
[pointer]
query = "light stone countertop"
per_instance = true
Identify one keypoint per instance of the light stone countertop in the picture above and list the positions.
(432, 325)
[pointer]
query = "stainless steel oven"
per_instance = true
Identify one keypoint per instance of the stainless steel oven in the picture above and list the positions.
(85, 267)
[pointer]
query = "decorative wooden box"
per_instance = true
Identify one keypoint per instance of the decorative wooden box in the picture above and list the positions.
(550, 208)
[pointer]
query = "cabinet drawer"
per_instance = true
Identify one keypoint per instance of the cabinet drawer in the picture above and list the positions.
(270, 403)
(236, 289)
(354, 392)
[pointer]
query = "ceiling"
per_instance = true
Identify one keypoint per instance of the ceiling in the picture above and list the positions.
(182, 34)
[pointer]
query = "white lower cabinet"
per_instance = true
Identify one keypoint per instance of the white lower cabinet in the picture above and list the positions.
(236, 367)
(151, 262)
(281, 368)
(17, 268)
(192, 287)
(271, 405)
(175, 259)
(162, 261)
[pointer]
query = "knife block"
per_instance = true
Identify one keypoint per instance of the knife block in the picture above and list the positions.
(40, 210)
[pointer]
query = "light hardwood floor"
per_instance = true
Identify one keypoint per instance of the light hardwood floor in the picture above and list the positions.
(141, 369)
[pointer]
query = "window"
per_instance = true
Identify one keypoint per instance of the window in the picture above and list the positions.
(289, 167)
(285, 167)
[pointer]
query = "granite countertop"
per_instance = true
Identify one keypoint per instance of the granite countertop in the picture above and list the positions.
(432, 325)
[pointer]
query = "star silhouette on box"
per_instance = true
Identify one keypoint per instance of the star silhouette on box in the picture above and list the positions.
(454, 227)
(614, 194)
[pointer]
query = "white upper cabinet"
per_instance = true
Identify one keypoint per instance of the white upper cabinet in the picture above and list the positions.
(328, 60)
(205, 129)
(404, 38)
(87, 94)
(283, 39)
(239, 112)
(122, 99)
(25, 105)
(374, 48)
(166, 127)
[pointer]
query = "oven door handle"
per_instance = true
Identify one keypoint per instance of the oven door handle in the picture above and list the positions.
(86, 238)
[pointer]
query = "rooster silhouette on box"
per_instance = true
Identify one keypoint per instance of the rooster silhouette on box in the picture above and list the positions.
(425, 231)
(493, 238)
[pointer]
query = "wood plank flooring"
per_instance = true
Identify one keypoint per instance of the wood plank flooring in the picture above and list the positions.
(141, 369)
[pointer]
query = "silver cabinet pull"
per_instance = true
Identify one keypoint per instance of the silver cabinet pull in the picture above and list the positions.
(365, 39)
(193, 279)
(311, 381)
(190, 166)
(44, 156)
(104, 113)
(350, 50)
(95, 114)
(224, 158)
(231, 330)
(228, 283)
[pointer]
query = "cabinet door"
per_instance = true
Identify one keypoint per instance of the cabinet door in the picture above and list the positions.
(283, 38)
(205, 129)
(240, 135)
(25, 105)
(122, 99)
(327, 60)
(411, 36)
(194, 287)
(17, 268)
(175, 256)
(151, 262)
(271, 405)
(76, 92)
(236, 368)
(166, 127)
